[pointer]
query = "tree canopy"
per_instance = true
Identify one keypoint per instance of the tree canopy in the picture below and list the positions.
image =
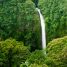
(21, 36)
(12, 53)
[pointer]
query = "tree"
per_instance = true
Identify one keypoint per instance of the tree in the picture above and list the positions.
(12, 53)
(56, 52)
(20, 20)
(55, 15)
(37, 57)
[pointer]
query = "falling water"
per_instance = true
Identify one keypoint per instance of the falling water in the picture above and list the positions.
(43, 29)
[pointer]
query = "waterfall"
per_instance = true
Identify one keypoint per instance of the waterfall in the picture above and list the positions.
(42, 28)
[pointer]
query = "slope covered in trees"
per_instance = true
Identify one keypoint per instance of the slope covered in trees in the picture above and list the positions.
(55, 14)
(20, 20)
(12, 53)
(56, 55)
(20, 33)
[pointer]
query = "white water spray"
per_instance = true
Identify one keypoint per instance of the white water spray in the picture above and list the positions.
(43, 29)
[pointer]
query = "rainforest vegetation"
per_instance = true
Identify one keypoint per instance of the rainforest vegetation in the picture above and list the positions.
(20, 33)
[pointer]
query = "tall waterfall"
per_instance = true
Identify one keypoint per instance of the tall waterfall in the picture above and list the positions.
(42, 28)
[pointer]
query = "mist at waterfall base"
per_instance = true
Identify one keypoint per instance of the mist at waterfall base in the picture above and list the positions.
(42, 29)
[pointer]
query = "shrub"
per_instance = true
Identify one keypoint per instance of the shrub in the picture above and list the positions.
(57, 52)
(12, 53)
(37, 57)
(36, 65)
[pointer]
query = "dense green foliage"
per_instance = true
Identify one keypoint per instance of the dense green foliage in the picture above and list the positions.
(17, 20)
(55, 14)
(57, 52)
(12, 53)
(37, 56)
(20, 33)
(56, 55)
(36, 65)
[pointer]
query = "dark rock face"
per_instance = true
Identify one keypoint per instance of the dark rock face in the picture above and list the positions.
(36, 2)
